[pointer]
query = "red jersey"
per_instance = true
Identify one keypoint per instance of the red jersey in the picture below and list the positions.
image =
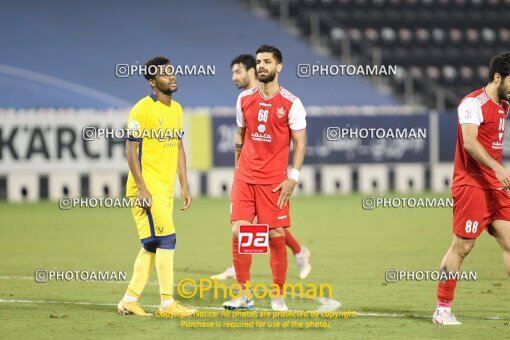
(477, 108)
(269, 121)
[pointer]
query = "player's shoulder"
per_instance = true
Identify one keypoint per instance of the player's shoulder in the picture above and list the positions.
(248, 92)
(178, 105)
(475, 98)
(288, 95)
(143, 103)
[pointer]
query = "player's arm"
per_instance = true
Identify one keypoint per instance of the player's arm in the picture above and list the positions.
(239, 141)
(297, 124)
(183, 176)
(134, 166)
(470, 116)
(241, 131)
(299, 141)
(287, 186)
(478, 152)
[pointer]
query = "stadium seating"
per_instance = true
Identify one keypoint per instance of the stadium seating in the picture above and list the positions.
(446, 42)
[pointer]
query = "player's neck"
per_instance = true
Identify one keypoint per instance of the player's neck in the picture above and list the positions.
(269, 89)
(165, 99)
(492, 91)
(250, 85)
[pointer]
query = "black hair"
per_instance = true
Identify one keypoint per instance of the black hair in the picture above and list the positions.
(499, 64)
(154, 62)
(271, 49)
(246, 59)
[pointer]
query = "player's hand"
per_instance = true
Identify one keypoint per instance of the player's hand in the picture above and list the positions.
(286, 188)
(186, 199)
(503, 175)
(145, 198)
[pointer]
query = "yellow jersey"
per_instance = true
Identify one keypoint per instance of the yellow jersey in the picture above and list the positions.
(158, 128)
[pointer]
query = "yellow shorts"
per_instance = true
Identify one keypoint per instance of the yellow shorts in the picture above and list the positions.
(158, 221)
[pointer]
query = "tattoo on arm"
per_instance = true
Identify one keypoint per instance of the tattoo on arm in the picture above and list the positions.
(238, 146)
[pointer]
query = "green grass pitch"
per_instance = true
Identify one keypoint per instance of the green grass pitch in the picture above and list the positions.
(351, 249)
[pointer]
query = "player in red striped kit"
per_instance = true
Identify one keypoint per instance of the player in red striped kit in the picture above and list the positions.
(480, 182)
(268, 117)
(244, 76)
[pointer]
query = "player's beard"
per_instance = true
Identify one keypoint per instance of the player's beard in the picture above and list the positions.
(502, 92)
(244, 84)
(168, 91)
(267, 78)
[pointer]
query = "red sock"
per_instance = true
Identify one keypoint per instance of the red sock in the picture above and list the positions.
(242, 263)
(445, 292)
(291, 242)
(278, 260)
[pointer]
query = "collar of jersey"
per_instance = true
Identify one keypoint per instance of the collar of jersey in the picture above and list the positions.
(500, 104)
(153, 97)
(260, 93)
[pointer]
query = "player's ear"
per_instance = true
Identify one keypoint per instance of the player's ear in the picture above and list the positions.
(279, 67)
(497, 78)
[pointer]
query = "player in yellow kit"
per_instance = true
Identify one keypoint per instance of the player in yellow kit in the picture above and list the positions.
(155, 154)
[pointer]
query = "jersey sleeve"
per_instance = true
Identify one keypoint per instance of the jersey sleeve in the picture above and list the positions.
(239, 113)
(136, 123)
(297, 116)
(470, 112)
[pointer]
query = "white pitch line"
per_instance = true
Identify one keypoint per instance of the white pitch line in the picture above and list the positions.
(156, 306)
(326, 304)
(367, 314)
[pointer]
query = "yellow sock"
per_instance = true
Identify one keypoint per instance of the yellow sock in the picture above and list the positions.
(165, 270)
(166, 297)
(142, 270)
(132, 293)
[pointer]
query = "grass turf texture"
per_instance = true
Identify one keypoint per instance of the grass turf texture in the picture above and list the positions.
(351, 249)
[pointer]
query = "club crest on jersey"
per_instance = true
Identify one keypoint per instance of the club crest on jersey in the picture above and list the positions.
(280, 112)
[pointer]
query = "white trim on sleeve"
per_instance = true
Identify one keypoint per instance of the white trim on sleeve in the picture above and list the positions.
(470, 112)
(297, 116)
(239, 113)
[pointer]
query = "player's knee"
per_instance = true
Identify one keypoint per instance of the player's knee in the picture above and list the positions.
(462, 247)
(276, 232)
(235, 227)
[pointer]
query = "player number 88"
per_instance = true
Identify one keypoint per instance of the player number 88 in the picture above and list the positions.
(471, 226)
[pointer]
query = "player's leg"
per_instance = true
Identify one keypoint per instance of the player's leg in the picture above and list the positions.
(278, 263)
(164, 230)
(242, 212)
(451, 263)
(471, 215)
(500, 229)
(303, 255)
(278, 220)
(242, 265)
(142, 268)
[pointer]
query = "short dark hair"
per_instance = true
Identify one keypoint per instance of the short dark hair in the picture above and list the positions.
(499, 64)
(156, 61)
(271, 49)
(246, 59)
